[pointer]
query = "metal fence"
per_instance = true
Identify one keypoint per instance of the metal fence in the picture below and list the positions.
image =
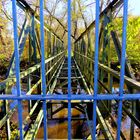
(95, 97)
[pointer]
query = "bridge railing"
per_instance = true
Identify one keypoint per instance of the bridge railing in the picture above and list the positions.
(46, 53)
(55, 61)
(87, 56)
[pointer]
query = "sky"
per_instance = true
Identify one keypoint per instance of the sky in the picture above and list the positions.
(134, 7)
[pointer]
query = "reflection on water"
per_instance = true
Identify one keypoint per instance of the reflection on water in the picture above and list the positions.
(59, 128)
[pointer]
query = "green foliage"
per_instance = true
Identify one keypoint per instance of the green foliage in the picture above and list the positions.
(14, 131)
(133, 36)
(1, 103)
(6, 45)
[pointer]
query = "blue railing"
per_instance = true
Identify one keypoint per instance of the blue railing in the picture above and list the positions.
(95, 97)
(17, 65)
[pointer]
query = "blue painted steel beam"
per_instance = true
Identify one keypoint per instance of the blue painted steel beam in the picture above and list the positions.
(17, 65)
(73, 97)
(96, 66)
(70, 97)
(69, 69)
(122, 72)
(43, 66)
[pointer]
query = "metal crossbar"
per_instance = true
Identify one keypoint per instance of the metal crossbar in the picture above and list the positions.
(51, 68)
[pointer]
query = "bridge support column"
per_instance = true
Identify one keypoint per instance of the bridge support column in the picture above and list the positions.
(29, 77)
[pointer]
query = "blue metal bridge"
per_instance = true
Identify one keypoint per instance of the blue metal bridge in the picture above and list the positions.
(70, 77)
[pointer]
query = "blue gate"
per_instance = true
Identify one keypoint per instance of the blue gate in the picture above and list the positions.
(94, 98)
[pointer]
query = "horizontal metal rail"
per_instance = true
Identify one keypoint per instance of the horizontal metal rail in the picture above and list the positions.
(131, 116)
(39, 82)
(89, 96)
(73, 97)
(34, 129)
(132, 83)
(25, 122)
(12, 79)
(102, 122)
(9, 114)
(56, 78)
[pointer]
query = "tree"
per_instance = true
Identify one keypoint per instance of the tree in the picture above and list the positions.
(133, 35)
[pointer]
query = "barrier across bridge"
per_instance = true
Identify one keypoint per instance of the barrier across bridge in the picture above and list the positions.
(72, 78)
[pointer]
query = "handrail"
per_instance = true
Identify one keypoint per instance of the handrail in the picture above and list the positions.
(9, 81)
(131, 82)
(9, 114)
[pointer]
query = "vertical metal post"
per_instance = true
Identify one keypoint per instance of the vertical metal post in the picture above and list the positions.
(51, 43)
(104, 45)
(110, 85)
(8, 130)
(96, 67)
(69, 69)
(29, 76)
(17, 61)
(58, 47)
(132, 122)
(122, 72)
(34, 57)
(47, 52)
(110, 78)
(43, 66)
